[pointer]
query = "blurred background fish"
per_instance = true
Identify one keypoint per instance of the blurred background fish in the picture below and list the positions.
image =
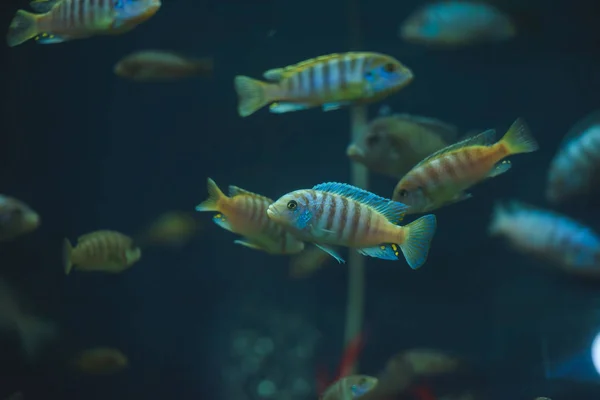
(393, 144)
(349, 387)
(575, 170)
(16, 218)
(308, 262)
(172, 229)
(159, 65)
(100, 361)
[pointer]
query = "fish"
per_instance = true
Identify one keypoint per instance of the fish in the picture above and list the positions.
(391, 145)
(331, 82)
(549, 236)
(157, 65)
(58, 21)
(338, 214)
(104, 251)
(244, 213)
(442, 178)
(430, 361)
(308, 262)
(349, 387)
(100, 361)
(16, 218)
(575, 170)
(34, 332)
(454, 24)
(173, 228)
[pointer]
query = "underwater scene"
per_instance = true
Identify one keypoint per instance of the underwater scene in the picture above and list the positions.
(277, 200)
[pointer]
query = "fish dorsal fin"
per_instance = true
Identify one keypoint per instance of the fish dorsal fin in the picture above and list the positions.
(393, 211)
(237, 191)
(274, 75)
(483, 139)
(582, 126)
(448, 132)
(90, 235)
(277, 74)
(43, 6)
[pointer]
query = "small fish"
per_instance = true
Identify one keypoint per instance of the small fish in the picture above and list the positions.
(349, 387)
(575, 170)
(172, 228)
(337, 214)
(62, 20)
(100, 361)
(245, 213)
(331, 82)
(156, 65)
(430, 362)
(392, 145)
(457, 23)
(443, 177)
(549, 236)
(16, 218)
(105, 251)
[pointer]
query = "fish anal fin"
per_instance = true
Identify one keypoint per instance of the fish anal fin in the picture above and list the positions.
(486, 138)
(222, 221)
(48, 38)
(499, 168)
(386, 251)
(282, 108)
(393, 211)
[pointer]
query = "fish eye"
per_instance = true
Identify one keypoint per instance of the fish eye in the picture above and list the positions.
(292, 204)
(389, 67)
(403, 193)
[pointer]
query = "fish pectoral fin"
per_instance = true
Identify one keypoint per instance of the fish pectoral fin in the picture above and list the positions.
(334, 106)
(249, 244)
(331, 252)
(48, 38)
(459, 197)
(385, 251)
(221, 220)
(281, 108)
(499, 168)
(42, 6)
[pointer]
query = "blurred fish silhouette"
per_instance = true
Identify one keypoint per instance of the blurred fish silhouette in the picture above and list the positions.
(308, 262)
(100, 361)
(16, 218)
(172, 229)
(160, 66)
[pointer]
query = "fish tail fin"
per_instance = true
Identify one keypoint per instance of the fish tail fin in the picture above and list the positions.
(417, 240)
(215, 197)
(22, 28)
(67, 251)
(252, 95)
(34, 332)
(518, 139)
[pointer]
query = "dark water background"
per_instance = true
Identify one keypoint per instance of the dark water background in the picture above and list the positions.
(90, 151)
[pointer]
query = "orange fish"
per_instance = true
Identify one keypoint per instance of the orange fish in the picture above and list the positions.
(62, 20)
(16, 218)
(443, 177)
(331, 82)
(106, 251)
(245, 213)
(156, 65)
(100, 361)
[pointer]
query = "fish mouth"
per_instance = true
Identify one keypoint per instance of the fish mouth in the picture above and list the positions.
(354, 152)
(272, 212)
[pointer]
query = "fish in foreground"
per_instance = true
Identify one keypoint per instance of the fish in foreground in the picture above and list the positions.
(393, 144)
(457, 23)
(349, 387)
(62, 20)
(338, 214)
(575, 170)
(549, 236)
(443, 177)
(33, 332)
(156, 66)
(104, 251)
(245, 213)
(331, 82)
(16, 218)
(100, 361)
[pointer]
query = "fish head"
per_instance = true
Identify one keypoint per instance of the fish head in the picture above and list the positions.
(412, 195)
(134, 12)
(384, 74)
(292, 210)
(376, 149)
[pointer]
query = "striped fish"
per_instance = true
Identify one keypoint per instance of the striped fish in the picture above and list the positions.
(443, 177)
(575, 170)
(106, 251)
(62, 20)
(549, 236)
(245, 213)
(334, 213)
(349, 387)
(330, 82)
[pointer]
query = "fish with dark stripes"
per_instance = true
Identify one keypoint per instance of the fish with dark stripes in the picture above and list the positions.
(104, 250)
(62, 20)
(443, 177)
(331, 82)
(338, 214)
(245, 213)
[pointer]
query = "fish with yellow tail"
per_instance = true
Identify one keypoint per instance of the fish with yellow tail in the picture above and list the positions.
(104, 251)
(443, 177)
(62, 20)
(338, 214)
(245, 213)
(331, 82)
